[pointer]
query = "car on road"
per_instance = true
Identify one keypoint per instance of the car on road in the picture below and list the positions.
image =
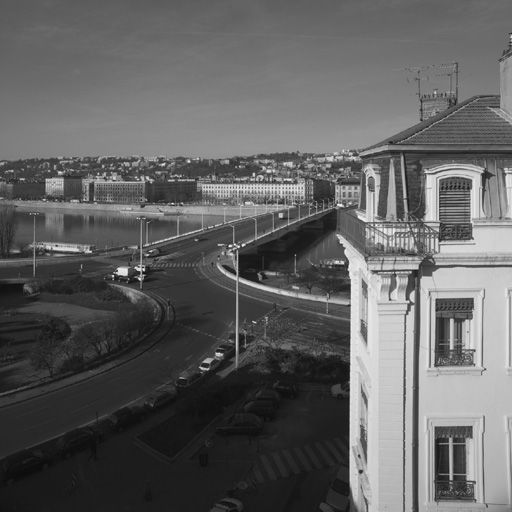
(145, 268)
(265, 409)
(74, 441)
(209, 365)
(188, 379)
(225, 351)
(110, 276)
(341, 390)
(152, 253)
(285, 389)
(241, 423)
(160, 397)
(23, 463)
(338, 495)
(127, 416)
(228, 505)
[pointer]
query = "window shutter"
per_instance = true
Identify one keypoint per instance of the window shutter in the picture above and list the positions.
(458, 431)
(455, 308)
(455, 201)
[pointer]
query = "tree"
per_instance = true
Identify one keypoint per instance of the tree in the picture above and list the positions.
(8, 227)
(48, 347)
(309, 277)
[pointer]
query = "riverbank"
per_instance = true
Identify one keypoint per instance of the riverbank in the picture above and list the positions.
(151, 209)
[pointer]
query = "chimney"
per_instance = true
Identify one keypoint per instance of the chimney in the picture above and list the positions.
(506, 78)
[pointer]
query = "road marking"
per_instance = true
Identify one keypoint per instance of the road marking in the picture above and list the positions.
(302, 459)
(291, 462)
(258, 475)
(279, 463)
(312, 456)
(339, 443)
(325, 454)
(334, 451)
(266, 464)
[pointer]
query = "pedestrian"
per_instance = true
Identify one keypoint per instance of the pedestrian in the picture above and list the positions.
(212, 264)
(275, 306)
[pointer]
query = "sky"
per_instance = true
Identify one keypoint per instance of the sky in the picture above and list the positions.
(221, 78)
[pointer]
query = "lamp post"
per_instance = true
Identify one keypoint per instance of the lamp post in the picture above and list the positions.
(235, 253)
(323, 204)
(34, 214)
(273, 229)
(309, 210)
(255, 228)
(240, 211)
(224, 215)
(202, 220)
(148, 222)
(233, 228)
(295, 264)
(142, 219)
(288, 215)
(178, 225)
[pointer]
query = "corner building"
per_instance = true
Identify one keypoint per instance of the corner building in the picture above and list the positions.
(430, 258)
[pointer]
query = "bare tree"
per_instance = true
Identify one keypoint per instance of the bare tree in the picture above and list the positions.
(8, 227)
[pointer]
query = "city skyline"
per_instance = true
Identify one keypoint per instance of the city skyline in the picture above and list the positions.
(223, 79)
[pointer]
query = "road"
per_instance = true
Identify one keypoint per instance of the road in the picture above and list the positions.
(204, 304)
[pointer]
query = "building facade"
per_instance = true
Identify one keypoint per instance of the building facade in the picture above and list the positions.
(347, 191)
(175, 191)
(123, 192)
(64, 187)
(300, 190)
(430, 258)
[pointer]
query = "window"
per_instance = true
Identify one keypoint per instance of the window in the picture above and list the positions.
(364, 311)
(455, 459)
(363, 424)
(453, 332)
(455, 209)
(453, 453)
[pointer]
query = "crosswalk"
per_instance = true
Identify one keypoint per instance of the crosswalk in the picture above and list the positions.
(173, 264)
(300, 459)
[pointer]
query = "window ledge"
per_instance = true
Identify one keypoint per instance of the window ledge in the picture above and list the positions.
(456, 370)
(455, 505)
(457, 242)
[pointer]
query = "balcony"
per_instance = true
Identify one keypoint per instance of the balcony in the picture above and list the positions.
(456, 231)
(456, 357)
(388, 238)
(448, 490)
(364, 330)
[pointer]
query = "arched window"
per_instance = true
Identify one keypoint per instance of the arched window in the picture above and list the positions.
(455, 208)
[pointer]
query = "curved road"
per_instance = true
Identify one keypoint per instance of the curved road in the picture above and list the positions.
(204, 316)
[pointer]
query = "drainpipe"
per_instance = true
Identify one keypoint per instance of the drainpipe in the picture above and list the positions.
(404, 186)
(415, 390)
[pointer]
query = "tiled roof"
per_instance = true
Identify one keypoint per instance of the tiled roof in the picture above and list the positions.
(478, 120)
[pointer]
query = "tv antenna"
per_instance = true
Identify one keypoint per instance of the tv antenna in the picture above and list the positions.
(425, 73)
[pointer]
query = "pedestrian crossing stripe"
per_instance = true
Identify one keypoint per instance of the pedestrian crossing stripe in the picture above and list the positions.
(174, 264)
(287, 462)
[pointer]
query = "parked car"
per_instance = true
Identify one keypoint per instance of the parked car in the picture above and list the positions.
(209, 365)
(223, 352)
(338, 495)
(74, 441)
(161, 397)
(127, 416)
(23, 463)
(188, 379)
(285, 389)
(228, 505)
(265, 409)
(341, 390)
(110, 276)
(266, 394)
(241, 423)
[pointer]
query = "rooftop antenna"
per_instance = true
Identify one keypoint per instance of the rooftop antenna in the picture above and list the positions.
(445, 99)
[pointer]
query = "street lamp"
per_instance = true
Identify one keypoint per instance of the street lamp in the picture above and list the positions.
(255, 228)
(295, 264)
(34, 214)
(142, 219)
(232, 226)
(202, 220)
(288, 214)
(148, 222)
(224, 215)
(178, 225)
(236, 256)
(240, 211)
(273, 229)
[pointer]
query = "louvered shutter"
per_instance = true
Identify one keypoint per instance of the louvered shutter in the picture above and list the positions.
(455, 208)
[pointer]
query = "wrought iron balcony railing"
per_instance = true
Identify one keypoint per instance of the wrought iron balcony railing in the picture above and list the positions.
(455, 231)
(408, 238)
(455, 490)
(455, 357)
(363, 438)
(364, 330)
